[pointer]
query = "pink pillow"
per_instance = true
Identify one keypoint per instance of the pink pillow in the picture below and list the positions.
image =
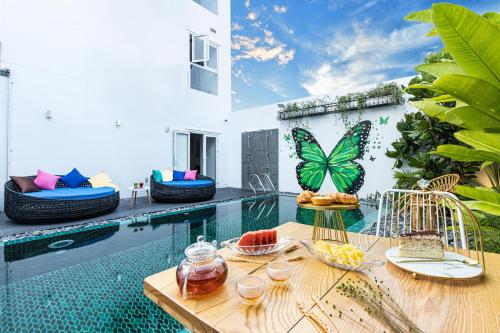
(45, 181)
(190, 174)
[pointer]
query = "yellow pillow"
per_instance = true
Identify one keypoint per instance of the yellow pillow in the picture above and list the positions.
(102, 180)
(167, 175)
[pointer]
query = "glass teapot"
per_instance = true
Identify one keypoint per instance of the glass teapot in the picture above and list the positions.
(202, 271)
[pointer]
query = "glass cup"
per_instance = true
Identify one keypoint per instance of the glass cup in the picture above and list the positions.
(251, 290)
(141, 185)
(279, 272)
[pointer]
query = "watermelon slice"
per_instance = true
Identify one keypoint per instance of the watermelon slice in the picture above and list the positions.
(274, 236)
(259, 238)
(248, 239)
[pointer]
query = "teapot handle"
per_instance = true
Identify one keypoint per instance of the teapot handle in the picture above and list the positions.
(186, 268)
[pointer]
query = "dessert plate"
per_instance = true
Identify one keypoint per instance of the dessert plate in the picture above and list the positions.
(452, 266)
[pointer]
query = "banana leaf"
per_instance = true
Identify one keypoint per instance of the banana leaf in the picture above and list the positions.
(472, 40)
(420, 16)
(479, 193)
(477, 93)
(464, 154)
(486, 207)
(480, 140)
(439, 69)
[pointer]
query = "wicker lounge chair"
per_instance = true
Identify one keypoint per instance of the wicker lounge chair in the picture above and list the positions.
(25, 208)
(165, 192)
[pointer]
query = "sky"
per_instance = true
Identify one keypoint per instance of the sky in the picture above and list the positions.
(289, 49)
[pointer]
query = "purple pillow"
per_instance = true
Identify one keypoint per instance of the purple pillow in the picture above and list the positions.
(190, 175)
(25, 184)
(179, 175)
(45, 181)
(74, 179)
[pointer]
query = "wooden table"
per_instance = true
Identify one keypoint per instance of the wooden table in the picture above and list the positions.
(434, 305)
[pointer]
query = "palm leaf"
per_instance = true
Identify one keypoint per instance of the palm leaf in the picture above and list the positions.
(464, 154)
(471, 40)
(480, 140)
(477, 93)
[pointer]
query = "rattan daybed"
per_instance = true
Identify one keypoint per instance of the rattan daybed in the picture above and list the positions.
(25, 208)
(201, 189)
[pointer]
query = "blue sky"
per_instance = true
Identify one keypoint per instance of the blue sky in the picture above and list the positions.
(287, 49)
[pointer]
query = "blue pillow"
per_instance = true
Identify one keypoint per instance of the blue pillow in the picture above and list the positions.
(157, 176)
(179, 175)
(74, 179)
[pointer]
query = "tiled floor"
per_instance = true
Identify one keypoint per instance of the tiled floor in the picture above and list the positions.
(8, 227)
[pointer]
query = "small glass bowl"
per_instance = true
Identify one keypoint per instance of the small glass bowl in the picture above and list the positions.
(278, 272)
(251, 290)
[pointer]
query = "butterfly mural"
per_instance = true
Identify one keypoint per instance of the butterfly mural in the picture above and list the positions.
(347, 175)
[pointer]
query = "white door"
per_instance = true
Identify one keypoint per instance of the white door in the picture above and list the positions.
(181, 150)
(4, 102)
(210, 157)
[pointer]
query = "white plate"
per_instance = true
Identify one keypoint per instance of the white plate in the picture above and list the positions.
(440, 269)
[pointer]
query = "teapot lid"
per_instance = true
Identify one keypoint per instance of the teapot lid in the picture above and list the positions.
(201, 250)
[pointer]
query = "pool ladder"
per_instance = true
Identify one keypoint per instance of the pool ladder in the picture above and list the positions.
(266, 176)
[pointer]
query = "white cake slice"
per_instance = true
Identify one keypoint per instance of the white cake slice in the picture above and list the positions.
(421, 244)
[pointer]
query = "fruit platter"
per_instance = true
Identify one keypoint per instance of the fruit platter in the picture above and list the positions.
(257, 243)
(341, 255)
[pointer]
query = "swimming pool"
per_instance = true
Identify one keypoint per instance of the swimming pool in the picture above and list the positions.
(91, 280)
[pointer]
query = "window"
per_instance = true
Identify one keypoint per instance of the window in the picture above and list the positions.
(203, 64)
(211, 5)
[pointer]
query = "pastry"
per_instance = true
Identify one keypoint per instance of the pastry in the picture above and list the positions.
(343, 198)
(421, 244)
(322, 201)
(305, 197)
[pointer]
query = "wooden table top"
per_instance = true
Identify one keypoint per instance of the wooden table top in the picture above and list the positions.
(434, 305)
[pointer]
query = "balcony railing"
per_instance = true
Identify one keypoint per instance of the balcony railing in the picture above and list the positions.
(337, 107)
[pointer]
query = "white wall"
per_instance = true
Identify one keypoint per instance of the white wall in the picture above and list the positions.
(92, 62)
(327, 129)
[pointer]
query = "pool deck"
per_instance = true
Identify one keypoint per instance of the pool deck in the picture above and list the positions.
(8, 227)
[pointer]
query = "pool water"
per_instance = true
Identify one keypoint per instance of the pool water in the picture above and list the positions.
(92, 280)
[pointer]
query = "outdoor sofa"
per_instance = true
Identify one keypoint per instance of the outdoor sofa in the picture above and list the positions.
(201, 189)
(61, 204)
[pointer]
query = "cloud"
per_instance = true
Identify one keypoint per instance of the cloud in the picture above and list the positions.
(364, 56)
(275, 88)
(261, 49)
(252, 16)
(236, 27)
(238, 73)
(280, 9)
(247, 3)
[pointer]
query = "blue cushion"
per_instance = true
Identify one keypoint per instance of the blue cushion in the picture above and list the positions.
(74, 178)
(179, 175)
(189, 183)
(157, 176)
(79, 193)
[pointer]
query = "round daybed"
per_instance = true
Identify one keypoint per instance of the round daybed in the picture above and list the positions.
(61, 204)
(201, 189)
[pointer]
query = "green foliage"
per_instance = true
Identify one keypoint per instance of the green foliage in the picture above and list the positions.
(473, 84)
(421, 134)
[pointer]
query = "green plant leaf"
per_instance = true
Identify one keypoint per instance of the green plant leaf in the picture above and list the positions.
(492, 17)
(444, 98)
(477, 93)
(480, 140)
(429, 107)
(420, 16)
(439, 69)
(479, 193)
(469, 118)
(432, 33)
(486, 207)
(464, 154)
(471, 40)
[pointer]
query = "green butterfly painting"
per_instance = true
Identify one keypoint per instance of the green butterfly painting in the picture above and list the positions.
(347, 175)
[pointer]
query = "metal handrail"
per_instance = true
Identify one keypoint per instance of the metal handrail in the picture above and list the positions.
(270, 181)
(260, 183)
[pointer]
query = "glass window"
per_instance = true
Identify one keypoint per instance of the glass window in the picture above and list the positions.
(212, 57)
(203, 79)
(211, 5)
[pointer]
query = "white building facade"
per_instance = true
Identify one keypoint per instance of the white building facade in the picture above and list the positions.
(116, 86)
